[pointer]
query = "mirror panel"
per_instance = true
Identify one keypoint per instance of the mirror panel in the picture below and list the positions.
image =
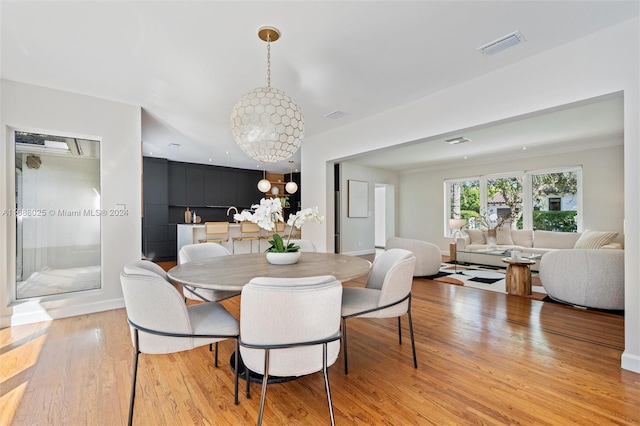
(57, 215)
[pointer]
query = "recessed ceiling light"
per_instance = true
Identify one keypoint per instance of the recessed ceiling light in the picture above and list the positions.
(457, 140)
(174, 145)
(210, 160)
(226, 152)
(524, 147)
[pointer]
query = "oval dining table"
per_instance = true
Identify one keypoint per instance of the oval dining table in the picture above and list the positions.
(234, 271)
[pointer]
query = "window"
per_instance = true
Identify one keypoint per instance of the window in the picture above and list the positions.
(553, 204)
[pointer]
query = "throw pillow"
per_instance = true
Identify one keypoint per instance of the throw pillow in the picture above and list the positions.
(594, 239)
(503, 236)
(475, 236)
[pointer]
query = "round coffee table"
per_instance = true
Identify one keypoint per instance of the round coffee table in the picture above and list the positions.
(518, 276)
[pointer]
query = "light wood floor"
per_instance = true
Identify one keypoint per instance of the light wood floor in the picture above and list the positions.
(484, 358)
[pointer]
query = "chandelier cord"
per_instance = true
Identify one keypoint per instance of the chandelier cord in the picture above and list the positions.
(268, 61)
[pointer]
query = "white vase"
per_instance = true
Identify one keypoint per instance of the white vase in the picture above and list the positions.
(288, 258)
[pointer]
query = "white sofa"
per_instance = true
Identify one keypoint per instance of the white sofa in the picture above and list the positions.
(527, 241)
(428, 255)
(588, 278)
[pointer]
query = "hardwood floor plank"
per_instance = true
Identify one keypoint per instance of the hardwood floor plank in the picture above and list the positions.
(483, 358)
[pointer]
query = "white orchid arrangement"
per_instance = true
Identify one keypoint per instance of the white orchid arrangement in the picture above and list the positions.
(269, 212)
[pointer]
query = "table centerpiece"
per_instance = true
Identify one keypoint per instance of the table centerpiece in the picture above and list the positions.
(266, 215)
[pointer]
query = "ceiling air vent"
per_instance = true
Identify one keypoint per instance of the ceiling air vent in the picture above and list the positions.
(456, 141)
(335, 114)
(502, 43)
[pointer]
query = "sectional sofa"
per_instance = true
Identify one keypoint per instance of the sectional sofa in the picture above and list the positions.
(475, 246)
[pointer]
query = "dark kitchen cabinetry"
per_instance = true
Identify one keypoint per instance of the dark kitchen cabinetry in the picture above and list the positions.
(250, 194)
(170, 187)
(155, 214)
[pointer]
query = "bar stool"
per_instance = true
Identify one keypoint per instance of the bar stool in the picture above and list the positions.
(215, 232)
(249, 231)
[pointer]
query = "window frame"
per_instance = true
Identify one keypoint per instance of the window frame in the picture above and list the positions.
(527, 188)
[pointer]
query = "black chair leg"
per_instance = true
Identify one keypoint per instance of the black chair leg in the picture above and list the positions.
(247, 378)
(134, 376)
(399, 331)
(413, 342)
(344, 345)
(215, 355)
(265, 380)
(326, 381)
(236, 372)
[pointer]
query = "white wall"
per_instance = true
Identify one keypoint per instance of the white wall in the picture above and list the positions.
(380, 216)
(357, 235)
(596, 65)
(117, 126)
(422, 199)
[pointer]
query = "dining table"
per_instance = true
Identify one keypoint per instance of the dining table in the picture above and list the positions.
(233, 272)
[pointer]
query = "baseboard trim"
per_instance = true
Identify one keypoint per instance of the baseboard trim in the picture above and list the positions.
(32, 312)
(630, 362)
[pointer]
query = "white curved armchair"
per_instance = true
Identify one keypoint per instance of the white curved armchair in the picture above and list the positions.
(593, 278)
(386, 295)
(193, 252)
(290, 327)
(428, 255)
(161, 323)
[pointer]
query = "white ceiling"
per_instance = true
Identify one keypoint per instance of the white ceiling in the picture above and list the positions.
(186, 63)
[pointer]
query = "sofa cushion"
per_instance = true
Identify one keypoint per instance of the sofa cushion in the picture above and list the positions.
(522, 237)
(555, 240)
(503, 236)
(476, 236)
(594, 239)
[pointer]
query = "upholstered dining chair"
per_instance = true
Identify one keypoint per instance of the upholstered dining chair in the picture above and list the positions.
(290, 327)
(249, 231)
(192, 252)
(161, 323)
(215, 232)
(386, 295)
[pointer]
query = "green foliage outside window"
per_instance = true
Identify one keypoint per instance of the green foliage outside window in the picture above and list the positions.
(563, 221)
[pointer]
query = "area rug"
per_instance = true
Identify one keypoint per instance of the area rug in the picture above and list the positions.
(479, 276)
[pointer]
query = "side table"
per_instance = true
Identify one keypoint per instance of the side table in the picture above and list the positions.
(518, 276)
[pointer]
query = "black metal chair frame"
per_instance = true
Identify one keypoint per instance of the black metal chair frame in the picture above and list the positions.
(192, 290)
(265, 377)
(413, 343)
(136, 354)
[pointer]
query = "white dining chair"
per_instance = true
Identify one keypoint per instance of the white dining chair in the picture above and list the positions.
(290, 327)
(193, 252)
(387, 294)
(161, 323)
